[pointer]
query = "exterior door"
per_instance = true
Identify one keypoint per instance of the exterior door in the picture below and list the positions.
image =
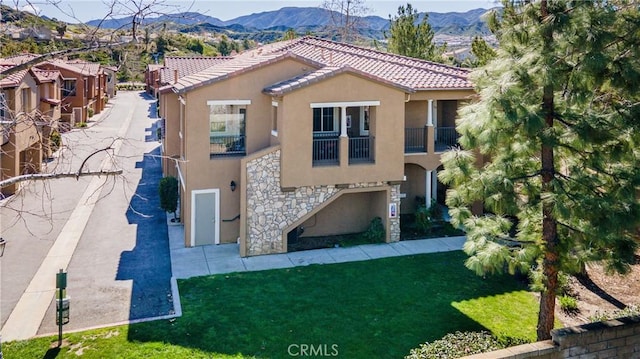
(205, 225)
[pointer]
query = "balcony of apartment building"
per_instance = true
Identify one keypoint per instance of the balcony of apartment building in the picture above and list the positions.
(438, 133)
(337, 129)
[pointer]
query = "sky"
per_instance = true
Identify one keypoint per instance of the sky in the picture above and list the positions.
(85, 10)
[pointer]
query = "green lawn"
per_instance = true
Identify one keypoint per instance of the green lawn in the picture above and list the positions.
(373, 309)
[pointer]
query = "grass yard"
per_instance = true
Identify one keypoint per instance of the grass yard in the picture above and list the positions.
(374, 309)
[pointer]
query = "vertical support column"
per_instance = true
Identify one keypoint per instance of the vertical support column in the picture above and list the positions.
(428, 191)
(343, 122)
(434, 185)
(430, 113)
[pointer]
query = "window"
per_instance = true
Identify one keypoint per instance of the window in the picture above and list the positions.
(227, 127)
(26, 100)
(274, 119)
(325, 119)
(3, 107)
(69, 88)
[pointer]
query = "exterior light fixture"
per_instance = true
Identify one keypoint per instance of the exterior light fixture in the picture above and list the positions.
(233, 186)
(3, 244)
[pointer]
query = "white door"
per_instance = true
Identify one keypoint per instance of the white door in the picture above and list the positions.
(205, 225)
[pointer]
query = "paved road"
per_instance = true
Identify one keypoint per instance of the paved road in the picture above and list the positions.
(120, 269)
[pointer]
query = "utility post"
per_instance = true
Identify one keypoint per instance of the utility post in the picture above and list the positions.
(62, 304)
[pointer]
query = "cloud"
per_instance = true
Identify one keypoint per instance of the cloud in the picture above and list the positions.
(31, 8)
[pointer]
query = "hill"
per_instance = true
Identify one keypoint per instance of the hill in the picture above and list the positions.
(303, 19)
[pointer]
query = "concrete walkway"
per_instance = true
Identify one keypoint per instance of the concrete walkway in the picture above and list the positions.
(225, 258)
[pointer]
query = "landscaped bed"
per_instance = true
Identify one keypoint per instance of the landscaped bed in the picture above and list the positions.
(372, 309)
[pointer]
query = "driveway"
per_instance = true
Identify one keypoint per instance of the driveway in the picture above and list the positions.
(120, 269)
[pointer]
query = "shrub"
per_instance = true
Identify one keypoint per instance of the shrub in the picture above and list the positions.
(568, 304)
(423, 219)
(459, 344)
(56, 140)
(89, 112)
(375, 232)
(618, 313)
(168, 192)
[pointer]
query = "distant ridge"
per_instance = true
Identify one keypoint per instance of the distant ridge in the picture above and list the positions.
(304, 18)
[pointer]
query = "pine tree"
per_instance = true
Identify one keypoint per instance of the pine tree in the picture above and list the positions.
(482, 51)
(557, 121)
(409, 38)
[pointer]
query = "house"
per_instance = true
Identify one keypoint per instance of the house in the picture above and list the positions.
(83, 89)
(21, 126)
(49, 116)
(307, 137)
(110, 80)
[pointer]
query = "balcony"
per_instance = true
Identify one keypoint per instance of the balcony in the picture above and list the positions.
(326, 150)
(415, 140)
(446, 137)
(361, 150)
(227, 145)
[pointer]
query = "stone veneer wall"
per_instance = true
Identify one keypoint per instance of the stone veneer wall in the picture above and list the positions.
(270, 210)
(618, 338)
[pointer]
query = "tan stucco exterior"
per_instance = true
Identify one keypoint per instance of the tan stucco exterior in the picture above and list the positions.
(343, 196)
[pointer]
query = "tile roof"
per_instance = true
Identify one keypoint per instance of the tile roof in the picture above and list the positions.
(186, 66)
(82, 68)
(13, 79)
(233, 67)
(410, 73)
(319, 75)
(90, 68)
(18, 59)
(45, 75)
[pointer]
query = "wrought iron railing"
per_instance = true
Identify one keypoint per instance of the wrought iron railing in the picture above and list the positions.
(326, 151)
(415, 140)
(227, 145)
(361, 150)
(446, 137)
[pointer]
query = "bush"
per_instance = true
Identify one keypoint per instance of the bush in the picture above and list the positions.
(568, 304)
(459, 344)
(375, 232)
(89, 112)
(56, 140)
(168, 192)
(618, 313)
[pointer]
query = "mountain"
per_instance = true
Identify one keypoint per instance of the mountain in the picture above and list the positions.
(185, 18)
(305, 18)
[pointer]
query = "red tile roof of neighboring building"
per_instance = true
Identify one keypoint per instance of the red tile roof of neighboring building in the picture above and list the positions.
(45, 75)
(410, 73)
(18, 59)
(187, 66)
(13, 79)
(90, 68)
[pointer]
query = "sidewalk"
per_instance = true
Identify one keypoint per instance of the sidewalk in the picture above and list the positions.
(225, 258)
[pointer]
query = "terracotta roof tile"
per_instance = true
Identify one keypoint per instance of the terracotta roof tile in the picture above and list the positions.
(13, 79)
(90, 68)
(187, 66)
(45, 75)
(321, 74)
(409, 73)
(18, 59)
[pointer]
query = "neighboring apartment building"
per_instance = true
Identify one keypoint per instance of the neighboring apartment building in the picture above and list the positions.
(29, 110)
(83, 89)
(174, 68)
(306, 133)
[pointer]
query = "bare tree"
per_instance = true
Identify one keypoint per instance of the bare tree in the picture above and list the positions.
(346, 16)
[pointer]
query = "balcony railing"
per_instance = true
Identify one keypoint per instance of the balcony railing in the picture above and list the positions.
(361, 150)
(446, 137)
(227, 145)
(415, 140)
(326, 151)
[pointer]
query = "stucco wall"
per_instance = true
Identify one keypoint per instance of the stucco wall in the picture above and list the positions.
(296, 132)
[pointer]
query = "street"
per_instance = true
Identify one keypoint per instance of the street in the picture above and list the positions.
(120, 269)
